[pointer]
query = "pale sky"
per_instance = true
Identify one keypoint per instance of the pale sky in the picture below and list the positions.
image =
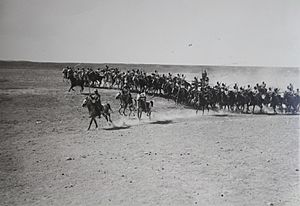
(192, 32)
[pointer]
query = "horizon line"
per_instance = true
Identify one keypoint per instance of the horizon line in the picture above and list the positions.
(154, 64)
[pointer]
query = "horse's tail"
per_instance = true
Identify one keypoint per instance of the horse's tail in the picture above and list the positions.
(151, 103)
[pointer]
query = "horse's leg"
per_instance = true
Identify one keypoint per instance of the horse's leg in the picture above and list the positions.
(139, 114)
(274, 108)
(105, 117)
(124, 110)
(247, 108)
(130, 110)
(237, 107)
(109, 118)
(253, 109)
(90, 123)
(95, 122)
(133, 110)
(260, 109)
(71, 87)
(120, 110)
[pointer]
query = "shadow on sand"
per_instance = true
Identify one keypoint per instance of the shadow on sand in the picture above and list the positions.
(162, 122)
(221, 115)
(280, 114)
(117, 127)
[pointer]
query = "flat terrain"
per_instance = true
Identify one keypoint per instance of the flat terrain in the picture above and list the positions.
(47, 157)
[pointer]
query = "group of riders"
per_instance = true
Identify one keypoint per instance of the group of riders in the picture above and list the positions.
(199, 94)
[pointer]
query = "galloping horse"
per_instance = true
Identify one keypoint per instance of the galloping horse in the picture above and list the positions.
(144, 107)
(94, 112)
(291, 101)
(94, 77)
(201, 102)
(256, 100)
(75, 81)
(125, 101)
(276, 100)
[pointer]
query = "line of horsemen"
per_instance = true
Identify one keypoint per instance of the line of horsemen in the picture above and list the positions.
(198, 94)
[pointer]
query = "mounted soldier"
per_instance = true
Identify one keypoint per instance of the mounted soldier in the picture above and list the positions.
(204, 80)
(126, 90)
(290, 88)
(195, 83)
(141, 100)
(96, 99)
(235, 87)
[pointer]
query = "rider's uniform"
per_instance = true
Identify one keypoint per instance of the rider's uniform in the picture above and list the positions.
(97, 99)
(141, 99)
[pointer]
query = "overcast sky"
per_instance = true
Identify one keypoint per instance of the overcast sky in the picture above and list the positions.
(205, 32)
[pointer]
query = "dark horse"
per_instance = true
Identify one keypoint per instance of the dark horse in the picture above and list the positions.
(94, 77)
(94, 112)
(125, 101)
(75, 82)
(201, 102)
(256, 100)
(291, 101)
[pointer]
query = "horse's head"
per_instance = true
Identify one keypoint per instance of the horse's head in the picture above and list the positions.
(118, 95)
(86, 101)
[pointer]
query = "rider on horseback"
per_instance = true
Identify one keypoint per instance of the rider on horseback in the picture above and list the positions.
(97, 101)
(290, 88)
(125, 90)
(126, 93)
(195, 83)
(235, 87)
(141, 99)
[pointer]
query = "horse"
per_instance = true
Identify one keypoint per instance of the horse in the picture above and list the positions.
(276, 100)
(202, 102)
(65, 74)
(144, 107)
(231, 99)
(74, 81)
(291, 101)
(108, 79)
(256, 100)
(125, 101)
(242, 100)
(181, 96)
(222, 99)
(94, 111)
(167, 89)
(94, 77)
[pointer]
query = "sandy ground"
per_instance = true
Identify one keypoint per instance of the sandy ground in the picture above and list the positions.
(47, 157)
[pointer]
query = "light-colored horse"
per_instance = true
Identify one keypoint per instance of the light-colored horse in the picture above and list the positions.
(144, 107)
(94, 111)
(126, 101)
